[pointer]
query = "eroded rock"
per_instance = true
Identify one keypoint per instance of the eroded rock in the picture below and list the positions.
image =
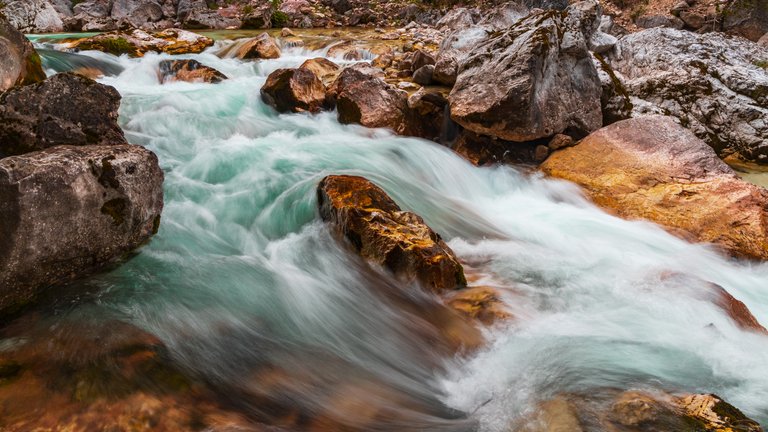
(70, 210)
(262, 46)
(189, 71)
(384, 234)
(64, 109)
(652, 168)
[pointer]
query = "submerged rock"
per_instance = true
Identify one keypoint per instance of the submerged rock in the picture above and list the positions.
(361, 96)
(136, 43)
(64, 109)
(294, 90)
(532, 80)
(69, 210)
(712, 83)
(189, 71)
(21, 64)
(650, 167)
(386, 235)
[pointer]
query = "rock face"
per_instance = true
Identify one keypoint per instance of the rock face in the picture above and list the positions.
(323, 68)
(189, 71)
(386, 235)
(64, 109)
(33, 16)
(21, 64)
(712, 83)
(361, 96)
(650, 167)
(534, 80)
(138, 42)
(294, 90)
(746, 18)
(69, 210)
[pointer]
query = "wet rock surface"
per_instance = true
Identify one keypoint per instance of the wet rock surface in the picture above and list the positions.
(294, 90)
(384, 234)
(652, 168)
(21, 64)
(136, 43)
(189, 71)
(64, 109)
(71, 210)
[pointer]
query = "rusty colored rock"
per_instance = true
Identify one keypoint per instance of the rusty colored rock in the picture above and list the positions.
(386, 235)
(294, 90)
(479, 303)
(652, 168)
(323, 68)
(136, 43)
(20, 64)
(189, 71)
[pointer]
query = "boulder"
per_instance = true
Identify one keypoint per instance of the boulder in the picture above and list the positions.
(361, 96)
(21, 64)
(746, 18)
(423, 75)
(653, 21)
(531, 81)
(652, 168)
(294, 90)
(427, 115)
(189, 71)
(420, 59)
(323, 68)
(384, 234)
(64, 109)
(137, 42)
(138, 13)
(262, 46)
(712, 83)
(32, 16)
(196, 14)
(615, 102)
(69, 210)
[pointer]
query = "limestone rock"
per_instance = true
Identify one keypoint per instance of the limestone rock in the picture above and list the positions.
(323, 68)
(650, 167)
(69, 210)
(384, 234)
(64, 109)
(21, 64)
(262, 46)
(294, 90)
(531, 81)
(712, 83)
(32, 16)
(189, 71)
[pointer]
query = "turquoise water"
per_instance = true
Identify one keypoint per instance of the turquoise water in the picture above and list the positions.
(243, 274)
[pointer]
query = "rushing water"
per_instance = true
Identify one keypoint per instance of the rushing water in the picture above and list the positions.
(243, 274)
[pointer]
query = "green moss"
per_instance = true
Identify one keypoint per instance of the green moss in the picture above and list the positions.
(111, 45)
(279, 19)
(761, 63)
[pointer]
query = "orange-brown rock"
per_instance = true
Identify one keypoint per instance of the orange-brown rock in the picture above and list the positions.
(189, 71)
(21, 63)
(383, 233)
(478, 303)
(325, 69)
(262, 46)
(294, 90)
(652, 168)
(137, 42)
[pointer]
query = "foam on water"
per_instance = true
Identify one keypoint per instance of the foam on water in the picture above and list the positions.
(242, 270)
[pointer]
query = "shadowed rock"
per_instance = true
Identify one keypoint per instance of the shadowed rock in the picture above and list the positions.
(64, 109)
(381, 232)
(189, 71)
(68, 211)
(652, 168)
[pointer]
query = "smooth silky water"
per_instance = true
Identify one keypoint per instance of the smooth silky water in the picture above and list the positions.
(243, 274)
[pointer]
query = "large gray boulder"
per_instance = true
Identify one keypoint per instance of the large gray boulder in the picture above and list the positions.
(33, 16)
(68, 211)
(533, 80)
(64, 109)
(715, 85)
(20, 63)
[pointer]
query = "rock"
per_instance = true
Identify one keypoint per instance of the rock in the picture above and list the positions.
(652, 21)
(479, 303)
(21, 64)
(615, 102)
(589, 16)
(554, 415)
(361, 96)
(384, 234)
(195, 14)
(715, 414)
(294, 90)
(64, 109)
(712, 83)
(347, 50)
(534, 80)
(138, 13)
(693, 20)
(423, 75)
(71, 210)
(138, 42)
(746, 18)
(260, 17)
(189, 71)
(427, 115)
(323, 68)
(446, 70)
(763, 41)
(650, 167)
(286, 32)
(32, 16)
(483, 150)
(262, 46)
(421, 59)
(560, 141)
(458, 19)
